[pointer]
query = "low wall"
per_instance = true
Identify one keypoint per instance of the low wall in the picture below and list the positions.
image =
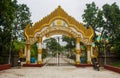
(112, 68)
(84, 65)
(5, 66)
(32, 65)
(109, 59)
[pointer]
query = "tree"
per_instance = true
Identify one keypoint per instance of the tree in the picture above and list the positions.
(70, 42)
(90, 14)
(112, 24)
(112, 17)
(53, 45)
(70, 47)
(13, 19)
(105, 21)
(17, 46)
(22, 18)
(7, 15)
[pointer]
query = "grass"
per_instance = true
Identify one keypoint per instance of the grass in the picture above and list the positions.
(116, 64)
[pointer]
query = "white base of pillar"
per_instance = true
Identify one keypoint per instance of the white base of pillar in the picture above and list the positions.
(39, 59)
(77, 58)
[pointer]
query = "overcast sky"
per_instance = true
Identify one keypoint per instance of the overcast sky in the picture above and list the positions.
(75, 8)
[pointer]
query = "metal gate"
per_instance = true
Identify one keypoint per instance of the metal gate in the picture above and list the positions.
(59, 59)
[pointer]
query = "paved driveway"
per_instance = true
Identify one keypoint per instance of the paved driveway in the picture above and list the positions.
(57, 72)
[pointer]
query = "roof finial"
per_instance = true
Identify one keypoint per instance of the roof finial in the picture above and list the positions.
(59, 6)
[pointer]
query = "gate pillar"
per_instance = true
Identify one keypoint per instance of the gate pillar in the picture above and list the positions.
(92, 55)
(28, 54)
(39, 50)
(89, 54)
(77, 50)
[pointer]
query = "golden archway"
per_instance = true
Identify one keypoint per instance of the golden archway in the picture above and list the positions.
(58, 22)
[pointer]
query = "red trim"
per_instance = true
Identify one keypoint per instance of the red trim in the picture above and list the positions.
(5, 66)
(32, 65)
(112, 68)
(83, 65)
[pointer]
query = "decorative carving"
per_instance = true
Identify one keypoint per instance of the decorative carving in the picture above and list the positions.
(59, 22)
(77, 51)
(77, 62)
(88, 47)
(39, 62)
(77, 40)
(27, 62)
(28, 46)
(60, 14)
(39, 39)
(39, 51)
(21, 54)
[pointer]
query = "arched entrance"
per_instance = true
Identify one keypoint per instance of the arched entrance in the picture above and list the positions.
(59, 22)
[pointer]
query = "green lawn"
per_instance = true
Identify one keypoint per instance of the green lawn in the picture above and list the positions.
(117, 64)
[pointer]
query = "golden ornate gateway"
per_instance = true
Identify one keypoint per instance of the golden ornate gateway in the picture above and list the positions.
(58, 22)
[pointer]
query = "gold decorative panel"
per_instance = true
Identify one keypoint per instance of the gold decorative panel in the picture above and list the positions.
(59, 18)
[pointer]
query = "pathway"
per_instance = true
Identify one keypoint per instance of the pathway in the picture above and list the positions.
(57, 72)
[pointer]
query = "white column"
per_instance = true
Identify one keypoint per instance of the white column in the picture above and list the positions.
(78, 46)
(78, 51)
(39, 45)
(39, 58)
(92, 55)
(77, 58)
(39, 50)
(88, 54)
(28, 54)
(25, 50)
